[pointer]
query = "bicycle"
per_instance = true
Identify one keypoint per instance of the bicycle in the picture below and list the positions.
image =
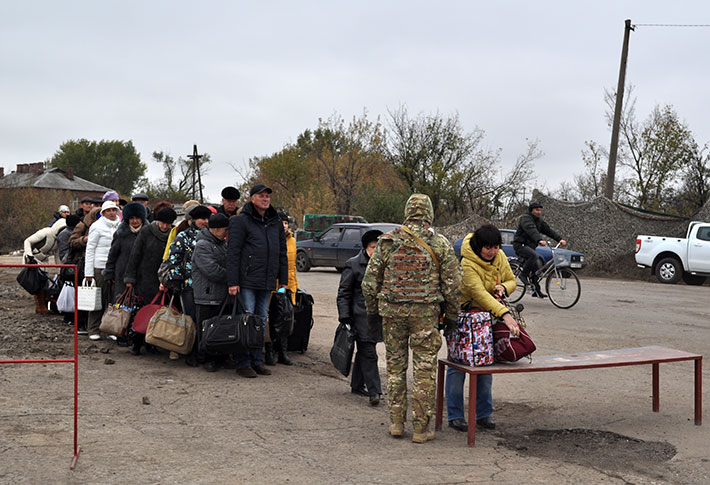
(561, 282)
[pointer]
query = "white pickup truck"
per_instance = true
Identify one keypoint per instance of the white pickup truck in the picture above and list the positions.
(672, 258)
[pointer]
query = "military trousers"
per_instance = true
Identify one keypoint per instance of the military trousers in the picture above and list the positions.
(412, 326)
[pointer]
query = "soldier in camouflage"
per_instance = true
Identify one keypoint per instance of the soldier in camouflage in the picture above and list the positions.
(411, 276)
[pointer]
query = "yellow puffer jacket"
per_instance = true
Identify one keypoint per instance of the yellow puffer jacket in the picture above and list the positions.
(291, 253)
(480, 278)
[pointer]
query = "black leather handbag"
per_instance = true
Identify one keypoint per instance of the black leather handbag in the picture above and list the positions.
(341, 354)
(33, 279)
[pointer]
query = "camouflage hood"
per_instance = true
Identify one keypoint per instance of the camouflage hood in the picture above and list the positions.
(418, 209)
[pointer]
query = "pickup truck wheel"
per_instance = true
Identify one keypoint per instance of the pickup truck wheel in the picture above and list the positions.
(303, 264)
(669, 271)
(693, 279)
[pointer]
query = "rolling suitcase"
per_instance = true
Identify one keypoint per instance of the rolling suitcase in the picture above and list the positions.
(302, 322)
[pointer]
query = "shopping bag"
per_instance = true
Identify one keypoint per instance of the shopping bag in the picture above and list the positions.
(65, 302)
(140, 322)
(118, 315)
(171, 330)
(89, 297)
(472, 341)
(341, 354)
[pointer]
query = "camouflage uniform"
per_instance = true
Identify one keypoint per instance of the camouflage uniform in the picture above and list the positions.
(403, 285)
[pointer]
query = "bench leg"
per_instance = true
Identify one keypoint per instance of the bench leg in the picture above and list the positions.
(699, 391)
(656, 401)
(439, 396)
(472, 383)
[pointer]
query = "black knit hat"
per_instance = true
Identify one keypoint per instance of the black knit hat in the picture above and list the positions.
(218, 220)
(534, 204)
(370, 236)
(73, 220)
(230, 193)
(200, 212)
(283, 215)
(166, 215)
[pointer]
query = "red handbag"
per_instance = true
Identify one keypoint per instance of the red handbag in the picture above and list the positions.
(510, 348)
(140, 322)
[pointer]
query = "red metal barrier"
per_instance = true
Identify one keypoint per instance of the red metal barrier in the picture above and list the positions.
(75, 360)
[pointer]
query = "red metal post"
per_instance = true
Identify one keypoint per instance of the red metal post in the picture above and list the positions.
(439, 396)
(656, 399)
(699, 391)
(472, 383)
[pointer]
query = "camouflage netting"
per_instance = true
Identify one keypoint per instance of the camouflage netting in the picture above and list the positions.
(601, 229)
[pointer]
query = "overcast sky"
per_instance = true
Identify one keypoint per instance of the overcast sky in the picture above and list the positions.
(242, 79)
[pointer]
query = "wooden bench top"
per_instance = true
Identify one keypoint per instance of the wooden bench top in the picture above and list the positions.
(588, 360)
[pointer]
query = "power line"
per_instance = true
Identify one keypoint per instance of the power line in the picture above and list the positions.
(671, 25)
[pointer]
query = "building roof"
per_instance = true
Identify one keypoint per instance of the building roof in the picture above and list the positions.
(54, 178)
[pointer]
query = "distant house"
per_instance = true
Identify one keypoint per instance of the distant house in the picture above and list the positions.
(34, 175)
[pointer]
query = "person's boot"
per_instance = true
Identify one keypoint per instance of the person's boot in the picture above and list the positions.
(41, 303)
(423, 435)
(537, 291)
(269, 358)
(283, 356)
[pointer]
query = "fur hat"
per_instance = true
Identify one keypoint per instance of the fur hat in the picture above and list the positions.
(166, 215)
(134, 209)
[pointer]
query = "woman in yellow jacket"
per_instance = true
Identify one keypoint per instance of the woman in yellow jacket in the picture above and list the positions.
(281, 345)
(487, 277)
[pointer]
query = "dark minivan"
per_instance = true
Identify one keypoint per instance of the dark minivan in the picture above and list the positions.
(335, 245)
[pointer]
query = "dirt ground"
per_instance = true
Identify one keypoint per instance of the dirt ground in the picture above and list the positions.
(151, 420)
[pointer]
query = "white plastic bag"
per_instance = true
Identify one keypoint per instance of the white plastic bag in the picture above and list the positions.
(89, 297)
(65, 301)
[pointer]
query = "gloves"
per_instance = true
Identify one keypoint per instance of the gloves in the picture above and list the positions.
(373, 322)
(346, 321)
(450, 325)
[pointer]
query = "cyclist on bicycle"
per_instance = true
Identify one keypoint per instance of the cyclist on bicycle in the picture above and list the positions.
(527, 237)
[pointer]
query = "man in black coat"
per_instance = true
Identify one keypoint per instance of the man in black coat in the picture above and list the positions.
(365, 378)
(230, 201)
(527, 237)
(256, 261)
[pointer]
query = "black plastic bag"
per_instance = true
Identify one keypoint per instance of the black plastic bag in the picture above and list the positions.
(280, 315)
(33, 279)
(341, 354)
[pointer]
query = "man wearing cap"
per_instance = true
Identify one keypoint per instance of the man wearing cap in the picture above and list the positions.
(85, 206)
(527, 237)
(143, 199)
(256, 264)
(230, 201)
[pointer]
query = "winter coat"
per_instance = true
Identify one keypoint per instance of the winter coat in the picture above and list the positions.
(480, 278)
(63, 243)
(121, 246)
(209, 269)
(43, 243)
(530, 230)
(292, 276)
(144, 261)
(222, 210)
(99, 244)
(180, 256)
(256, 251)
(351, 302)
(76, 240)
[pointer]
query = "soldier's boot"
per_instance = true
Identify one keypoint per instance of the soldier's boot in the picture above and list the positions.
(269, 358)
(396, 430)
(423, 435)
(41, 303)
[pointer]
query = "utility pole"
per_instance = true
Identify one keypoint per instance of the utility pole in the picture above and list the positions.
(195, 157)
(614, 148)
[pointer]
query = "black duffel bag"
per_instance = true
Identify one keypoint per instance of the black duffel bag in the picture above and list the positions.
(230, 333)
(33, 279)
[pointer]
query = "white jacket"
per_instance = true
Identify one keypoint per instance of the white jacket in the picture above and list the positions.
(98, 244)
(47, 237)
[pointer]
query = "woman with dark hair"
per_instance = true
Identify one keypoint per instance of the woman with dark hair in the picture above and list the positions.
(134, 218)
(144, 261)
(365, 378)
(487, 278)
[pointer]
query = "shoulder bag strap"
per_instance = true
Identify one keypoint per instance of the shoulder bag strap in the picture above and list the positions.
(424, 244)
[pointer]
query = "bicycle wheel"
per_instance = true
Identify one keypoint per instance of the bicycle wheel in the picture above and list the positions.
(517, 295)
(563, 288)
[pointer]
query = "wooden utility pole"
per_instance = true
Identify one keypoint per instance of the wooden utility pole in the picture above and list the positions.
(614, 148)
(195, 157)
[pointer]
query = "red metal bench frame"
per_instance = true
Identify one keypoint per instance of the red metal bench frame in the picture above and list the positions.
(74, 360)
(653, 355)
